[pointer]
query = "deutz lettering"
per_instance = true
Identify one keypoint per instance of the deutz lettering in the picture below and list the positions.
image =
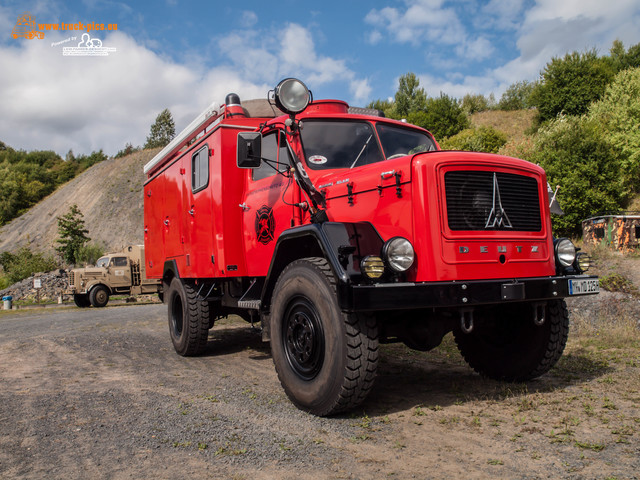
(500, 249)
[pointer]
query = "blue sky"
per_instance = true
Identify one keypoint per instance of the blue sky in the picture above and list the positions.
(185, 55)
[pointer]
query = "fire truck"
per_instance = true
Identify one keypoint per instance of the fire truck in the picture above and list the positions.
(336, 229)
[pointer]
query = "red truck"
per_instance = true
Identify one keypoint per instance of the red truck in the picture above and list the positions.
(337, 230)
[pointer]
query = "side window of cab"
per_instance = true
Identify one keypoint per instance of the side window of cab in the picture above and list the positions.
(274, 149)
(119, 261)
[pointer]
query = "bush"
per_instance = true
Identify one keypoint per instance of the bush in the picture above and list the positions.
(517, 96)
(578, 156)
(474, 103)
(482, 139)
(25, 263)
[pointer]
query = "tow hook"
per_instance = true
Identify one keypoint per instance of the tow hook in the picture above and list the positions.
(538, 313)
(466, 320)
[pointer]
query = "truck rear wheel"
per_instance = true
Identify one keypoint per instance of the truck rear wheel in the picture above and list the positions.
(99, 296)
(81, 300)
(326, 360)
(506, 344)
(188, 318)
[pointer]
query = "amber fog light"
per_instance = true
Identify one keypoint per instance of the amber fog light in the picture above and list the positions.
(372, 266)
(584, 261)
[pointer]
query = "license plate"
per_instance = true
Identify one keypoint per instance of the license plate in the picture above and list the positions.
(584, 286)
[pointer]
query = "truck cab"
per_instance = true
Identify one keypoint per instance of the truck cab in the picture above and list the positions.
(337, 229)
(114, 273)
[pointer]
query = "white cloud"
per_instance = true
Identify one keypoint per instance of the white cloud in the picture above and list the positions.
(50, 101)
(86, 103)
(248, 19)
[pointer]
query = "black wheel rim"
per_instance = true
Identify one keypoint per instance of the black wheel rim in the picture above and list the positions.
(303, 338)
(177, 318)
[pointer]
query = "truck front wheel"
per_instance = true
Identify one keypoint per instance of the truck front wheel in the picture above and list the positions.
(99, 296)
(506, 344)
(81, 300)
(188, 318)
(326, 360)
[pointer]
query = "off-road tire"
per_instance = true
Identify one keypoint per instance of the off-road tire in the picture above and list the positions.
(326, 360)
(99, 296)
(81, 300)
(507, 345)
(188, 318)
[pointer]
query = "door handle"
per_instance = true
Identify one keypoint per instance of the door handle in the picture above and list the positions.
(244, 206)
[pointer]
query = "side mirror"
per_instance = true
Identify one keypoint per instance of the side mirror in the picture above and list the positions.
(249, 151)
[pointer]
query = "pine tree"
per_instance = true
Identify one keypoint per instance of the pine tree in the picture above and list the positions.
(162, 131)
(73, 234)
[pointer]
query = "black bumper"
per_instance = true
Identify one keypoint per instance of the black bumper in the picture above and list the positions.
(394, 296)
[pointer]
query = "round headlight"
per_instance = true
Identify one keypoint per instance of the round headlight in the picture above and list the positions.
(398, 253)
(565, 252)
(292, 96)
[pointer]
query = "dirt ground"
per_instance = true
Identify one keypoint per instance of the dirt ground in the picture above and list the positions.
(100, 393)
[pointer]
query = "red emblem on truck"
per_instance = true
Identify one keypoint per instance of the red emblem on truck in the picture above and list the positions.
(265, 225)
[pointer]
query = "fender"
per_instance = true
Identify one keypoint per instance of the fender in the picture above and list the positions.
(342, 244)
(91, 285)
(170, 270)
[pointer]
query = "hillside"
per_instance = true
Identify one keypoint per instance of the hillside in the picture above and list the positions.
(513, 123)
(109, 194)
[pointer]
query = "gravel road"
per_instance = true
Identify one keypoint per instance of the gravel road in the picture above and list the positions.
(100, 393)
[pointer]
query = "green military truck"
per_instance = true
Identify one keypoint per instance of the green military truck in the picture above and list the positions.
(121, 273)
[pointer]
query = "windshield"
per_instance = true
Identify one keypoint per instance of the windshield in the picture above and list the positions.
(335, 144)
(398, 141)
(342, 144)
(103, 262)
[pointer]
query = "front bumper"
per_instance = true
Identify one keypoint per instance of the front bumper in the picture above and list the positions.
(394, 296)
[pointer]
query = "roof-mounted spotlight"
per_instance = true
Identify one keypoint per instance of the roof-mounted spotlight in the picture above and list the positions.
(292, 96)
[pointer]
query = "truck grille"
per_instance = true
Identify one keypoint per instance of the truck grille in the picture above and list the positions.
(481, 200)
(71, 279)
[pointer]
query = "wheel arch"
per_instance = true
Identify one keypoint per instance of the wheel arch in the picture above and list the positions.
(93, 285)
(337, 242)
(170, 271)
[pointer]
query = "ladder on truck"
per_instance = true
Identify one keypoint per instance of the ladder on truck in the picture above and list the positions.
(136, 278)
(211, 116)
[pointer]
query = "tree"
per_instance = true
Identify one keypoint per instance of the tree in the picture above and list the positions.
(162, 131)
(578, 156)
(618, 114)
(442, 116)
(73, 235)
(517, 96)
(570, 84)
(410, 97)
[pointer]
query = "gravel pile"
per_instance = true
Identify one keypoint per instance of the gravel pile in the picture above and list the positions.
(52, 285)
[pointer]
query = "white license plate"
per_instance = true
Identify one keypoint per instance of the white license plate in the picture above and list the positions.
(584, 286)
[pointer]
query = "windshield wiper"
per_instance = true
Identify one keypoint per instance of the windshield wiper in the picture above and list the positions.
(362, 150)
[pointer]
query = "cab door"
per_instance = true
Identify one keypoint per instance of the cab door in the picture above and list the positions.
(267, 207)
(120, 273)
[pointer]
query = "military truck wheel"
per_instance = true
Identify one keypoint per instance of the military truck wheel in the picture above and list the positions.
(99, 296)
(506, 344)
(326, 360)
(81, 300)
(188, 318)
